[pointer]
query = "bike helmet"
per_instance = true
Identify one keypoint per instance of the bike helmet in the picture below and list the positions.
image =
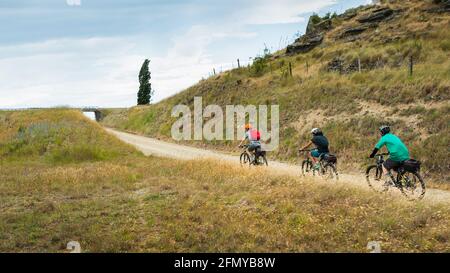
(385, 129)
(248, 126)
(316, 131)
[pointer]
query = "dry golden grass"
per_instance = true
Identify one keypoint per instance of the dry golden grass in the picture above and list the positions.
(58, 136)
(160, 205)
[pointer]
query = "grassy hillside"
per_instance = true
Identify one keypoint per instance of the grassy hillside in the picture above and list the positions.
(349, 105)
(112, 199)
(55, 136)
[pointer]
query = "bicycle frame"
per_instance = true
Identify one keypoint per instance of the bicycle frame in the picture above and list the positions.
(394, 179)
(307, 157)
(254, 153)
(312, 163)
(245, 150)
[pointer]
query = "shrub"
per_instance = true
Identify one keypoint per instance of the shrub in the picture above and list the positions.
(315, 19)
(259, 67)
(445, 45)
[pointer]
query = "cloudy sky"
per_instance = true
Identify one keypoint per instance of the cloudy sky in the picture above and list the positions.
(89, 52)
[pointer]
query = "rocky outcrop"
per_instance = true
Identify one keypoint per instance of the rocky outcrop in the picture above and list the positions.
(305, 43)
(321, 27)
(377, 15)
(317, 27)
(315, 32)
(355, 31)
(443, 6)
(349, 14)
(338, 64)
(367, 21)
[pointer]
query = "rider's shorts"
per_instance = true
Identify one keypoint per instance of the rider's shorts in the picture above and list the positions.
(390, 164)
(315, 153)
(254, 145)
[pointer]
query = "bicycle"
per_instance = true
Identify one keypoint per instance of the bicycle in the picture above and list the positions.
(326, 168)
(259, 157)
(408, 179)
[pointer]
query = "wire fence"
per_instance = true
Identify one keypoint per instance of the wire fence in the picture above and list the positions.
(337, 65)
(219, 69)
(241, 63)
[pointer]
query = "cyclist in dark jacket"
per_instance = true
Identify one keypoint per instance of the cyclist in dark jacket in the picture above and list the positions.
(322, 146)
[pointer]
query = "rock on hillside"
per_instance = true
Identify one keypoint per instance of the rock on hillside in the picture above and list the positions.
(443, 6)
(377, 15)
(313, 37)
(351, 33)
(305, 43)
(367, 17)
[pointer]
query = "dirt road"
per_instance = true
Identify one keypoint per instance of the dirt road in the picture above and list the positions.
(150, 146)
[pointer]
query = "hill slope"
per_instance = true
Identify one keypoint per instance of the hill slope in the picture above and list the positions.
(328, 91)
(55, 136)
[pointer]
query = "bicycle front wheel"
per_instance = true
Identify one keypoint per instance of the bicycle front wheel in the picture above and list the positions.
(374, 176)
(307, 167)
(245, 159)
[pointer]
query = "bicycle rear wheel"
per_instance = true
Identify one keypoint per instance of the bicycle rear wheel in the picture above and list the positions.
(412, 185)
(330, 172)
(263, 161)
(374, 176)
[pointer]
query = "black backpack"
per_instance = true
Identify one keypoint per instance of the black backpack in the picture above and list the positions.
(330, 158)
(412, 165)
(260, 152)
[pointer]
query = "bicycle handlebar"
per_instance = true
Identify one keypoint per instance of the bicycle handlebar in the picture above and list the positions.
(385, 154)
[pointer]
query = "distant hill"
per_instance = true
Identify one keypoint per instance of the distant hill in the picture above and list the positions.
(350, 75)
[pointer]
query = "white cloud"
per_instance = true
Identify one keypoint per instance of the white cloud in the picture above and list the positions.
(102, 71)
(69, 71)
(188, 60)
(281, 11)
(73, 2)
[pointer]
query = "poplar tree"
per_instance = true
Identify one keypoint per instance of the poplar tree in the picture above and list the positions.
(145, 87)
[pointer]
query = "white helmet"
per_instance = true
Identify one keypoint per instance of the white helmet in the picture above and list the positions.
(385, 129)
(316, 131)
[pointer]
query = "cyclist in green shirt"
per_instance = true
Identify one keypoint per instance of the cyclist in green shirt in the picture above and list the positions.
(398, 153)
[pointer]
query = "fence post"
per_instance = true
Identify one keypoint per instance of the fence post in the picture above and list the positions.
(214, 71)
(307, 67)
(359, 65)
(290, 69)
(411, 65)
(239, 63)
